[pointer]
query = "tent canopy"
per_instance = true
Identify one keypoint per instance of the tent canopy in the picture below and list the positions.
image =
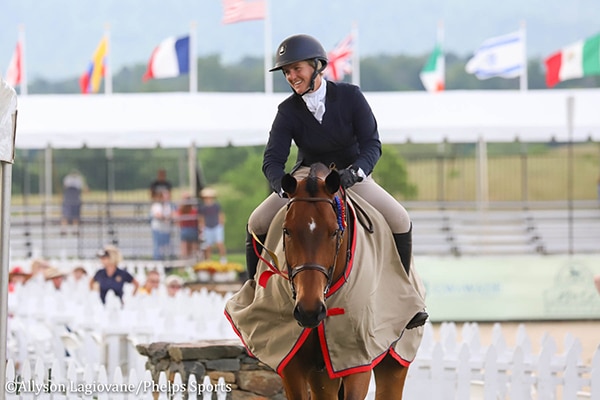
(222, 119)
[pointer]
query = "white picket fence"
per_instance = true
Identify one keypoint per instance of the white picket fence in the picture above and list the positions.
(457, 370)
(60, 383)
(44, 325)
(443, 370)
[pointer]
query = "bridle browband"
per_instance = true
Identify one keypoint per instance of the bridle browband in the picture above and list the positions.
(293, 271)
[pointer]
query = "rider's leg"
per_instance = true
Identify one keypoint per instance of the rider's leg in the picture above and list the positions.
(404, 246)
(258, 223)
(399, 221)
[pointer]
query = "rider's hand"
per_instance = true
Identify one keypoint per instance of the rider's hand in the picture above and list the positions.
(349, 176)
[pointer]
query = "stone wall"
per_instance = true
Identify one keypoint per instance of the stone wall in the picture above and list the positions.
(247, 378)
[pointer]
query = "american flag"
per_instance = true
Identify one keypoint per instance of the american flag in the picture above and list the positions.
(242, 10)
(340, 59)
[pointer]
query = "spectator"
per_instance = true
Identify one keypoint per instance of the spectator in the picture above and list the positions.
(187, 216)
(151, 284)
(160, 183)
(78, 280)
(78, 273)
(111, 277)
(212, 222)
(55, 276)
(73, 185)
(17, 277)
(38, 266)
(162, 213)
(174, 283)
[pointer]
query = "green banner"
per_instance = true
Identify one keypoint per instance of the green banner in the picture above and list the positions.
(510, 287)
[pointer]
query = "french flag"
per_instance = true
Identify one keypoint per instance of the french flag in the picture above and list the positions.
(169, 59)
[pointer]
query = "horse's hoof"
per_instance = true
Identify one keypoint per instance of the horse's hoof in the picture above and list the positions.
(418, 320)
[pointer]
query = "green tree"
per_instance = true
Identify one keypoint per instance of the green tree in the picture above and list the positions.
(391, 173)
(246, 188)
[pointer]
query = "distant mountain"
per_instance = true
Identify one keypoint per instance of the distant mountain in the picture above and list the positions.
(62, 34)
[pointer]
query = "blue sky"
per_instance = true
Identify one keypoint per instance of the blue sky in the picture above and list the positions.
(62, 34)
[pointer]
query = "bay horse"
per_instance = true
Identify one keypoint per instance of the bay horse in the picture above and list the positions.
(316, 242)
(348, 312)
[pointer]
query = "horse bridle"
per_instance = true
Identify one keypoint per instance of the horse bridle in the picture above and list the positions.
(293, 271)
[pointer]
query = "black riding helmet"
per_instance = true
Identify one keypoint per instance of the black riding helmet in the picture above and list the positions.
(301, 48)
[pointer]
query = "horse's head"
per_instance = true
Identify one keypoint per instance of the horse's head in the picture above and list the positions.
(312, 235)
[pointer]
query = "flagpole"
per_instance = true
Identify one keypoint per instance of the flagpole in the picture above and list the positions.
(523, 79)
(21, 39)
(355, 55)
(107, 62)
(268, 58)
(193, 75)
(440, 41)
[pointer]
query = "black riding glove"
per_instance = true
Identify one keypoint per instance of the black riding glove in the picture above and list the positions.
(349, 176)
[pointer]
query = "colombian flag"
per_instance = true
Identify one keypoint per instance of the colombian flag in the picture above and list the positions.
(92, 77)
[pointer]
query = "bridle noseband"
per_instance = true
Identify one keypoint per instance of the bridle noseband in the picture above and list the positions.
(328, 272)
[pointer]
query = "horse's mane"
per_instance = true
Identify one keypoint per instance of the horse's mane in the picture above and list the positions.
(317, 172)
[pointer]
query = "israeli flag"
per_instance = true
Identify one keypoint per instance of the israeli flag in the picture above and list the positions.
(502, 56)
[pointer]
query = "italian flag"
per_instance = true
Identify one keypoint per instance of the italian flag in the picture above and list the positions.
(432, 75)
(574, 61)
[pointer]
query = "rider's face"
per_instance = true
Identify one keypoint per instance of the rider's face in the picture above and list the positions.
(299, 74)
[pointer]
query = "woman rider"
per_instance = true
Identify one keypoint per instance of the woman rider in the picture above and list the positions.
(331, 123)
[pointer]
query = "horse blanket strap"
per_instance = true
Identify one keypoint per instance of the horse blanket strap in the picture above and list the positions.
(360, 326)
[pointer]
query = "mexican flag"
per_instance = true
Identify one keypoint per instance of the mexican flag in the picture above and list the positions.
(432, 75)
(574, 61)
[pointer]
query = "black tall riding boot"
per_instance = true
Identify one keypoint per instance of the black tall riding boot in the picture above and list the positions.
(404, 246)
(251, 256)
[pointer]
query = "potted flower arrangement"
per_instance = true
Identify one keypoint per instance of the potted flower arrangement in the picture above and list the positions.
(215, 271)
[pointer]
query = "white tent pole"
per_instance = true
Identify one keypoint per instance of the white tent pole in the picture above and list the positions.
(192, 169)
(482, 174)
(8, 107)
(47, 181)
(571, 171)
(5, 189)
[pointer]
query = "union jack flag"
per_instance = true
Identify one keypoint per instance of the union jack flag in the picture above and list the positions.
(340, 59)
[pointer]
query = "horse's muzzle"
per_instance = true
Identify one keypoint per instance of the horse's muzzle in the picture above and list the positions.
(312, 318)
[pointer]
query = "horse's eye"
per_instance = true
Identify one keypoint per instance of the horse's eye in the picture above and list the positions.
(286, 232)
(335, 233)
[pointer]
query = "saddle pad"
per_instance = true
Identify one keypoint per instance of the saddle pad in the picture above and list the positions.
(373, 306)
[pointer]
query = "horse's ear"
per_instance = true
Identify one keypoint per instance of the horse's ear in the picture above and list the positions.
(332, 182)
(289, 184)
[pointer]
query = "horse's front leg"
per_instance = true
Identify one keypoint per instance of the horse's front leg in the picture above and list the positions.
(323, 388)
(294, 379)
(356, 386)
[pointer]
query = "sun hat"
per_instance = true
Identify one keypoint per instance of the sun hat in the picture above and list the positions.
(208, 192)
(52, 273)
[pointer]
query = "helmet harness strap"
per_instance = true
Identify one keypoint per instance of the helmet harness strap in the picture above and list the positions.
(317, 71)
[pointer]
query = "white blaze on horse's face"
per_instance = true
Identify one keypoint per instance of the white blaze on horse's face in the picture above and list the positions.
(312, 225)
